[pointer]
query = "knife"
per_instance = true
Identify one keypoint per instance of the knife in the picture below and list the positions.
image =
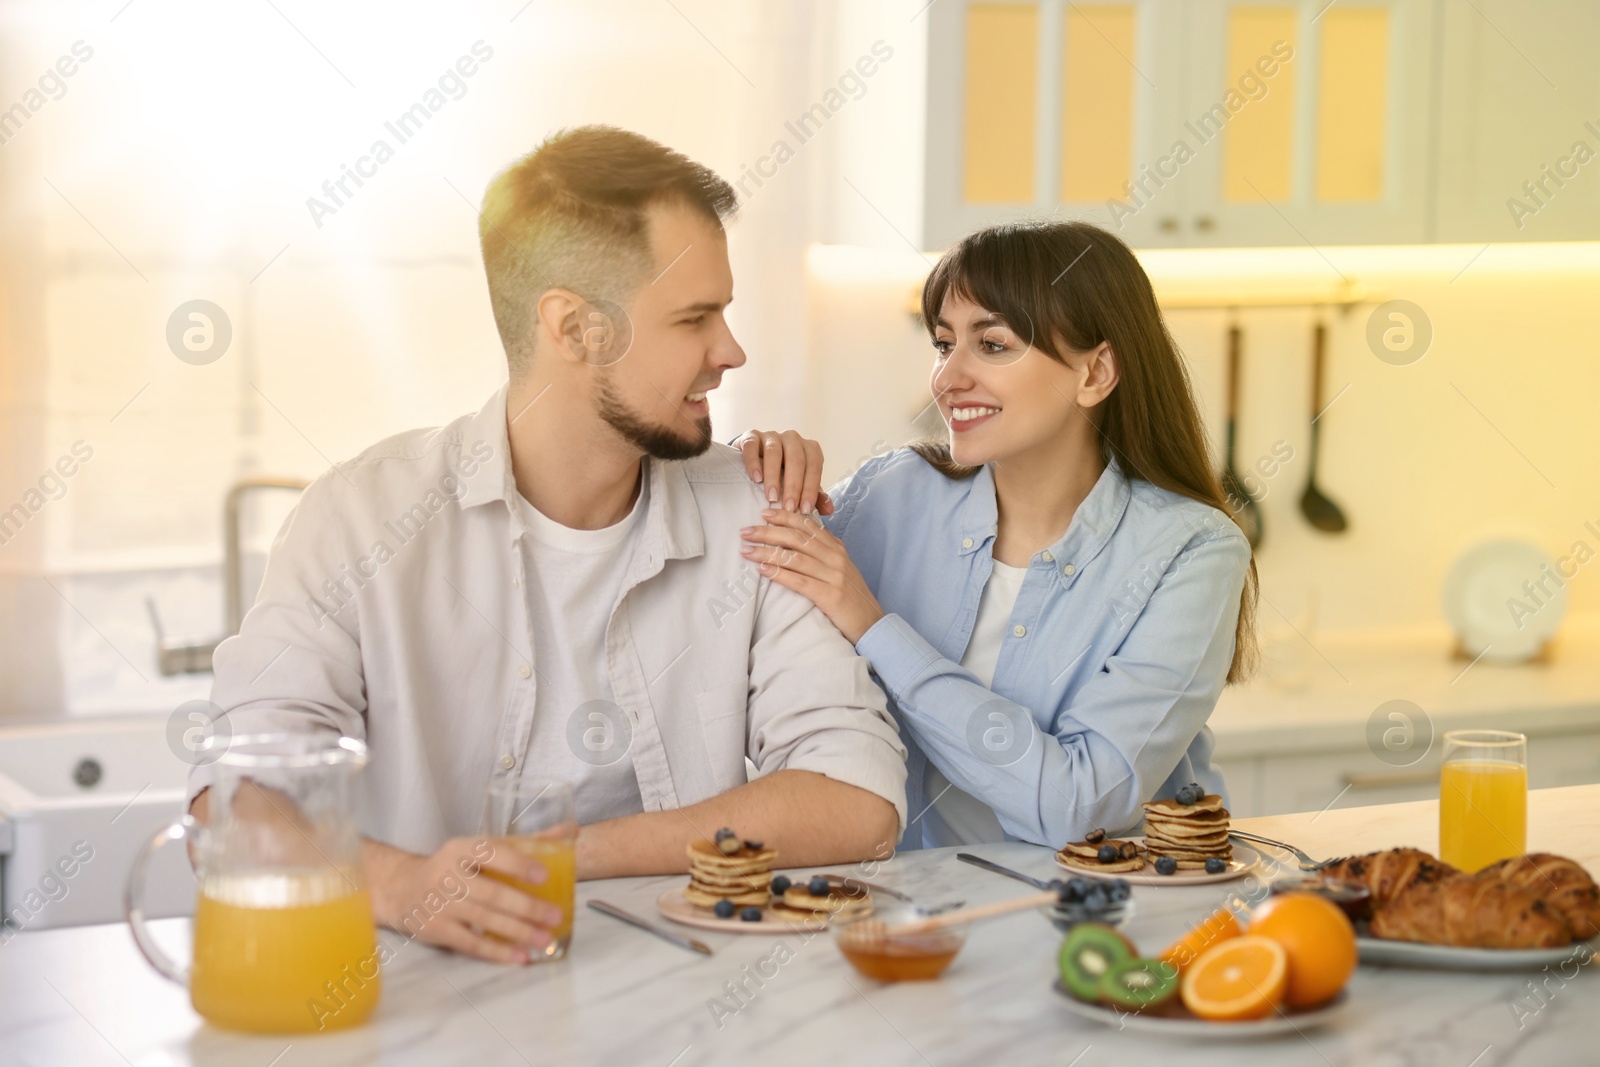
(990, 865)
(644, 924)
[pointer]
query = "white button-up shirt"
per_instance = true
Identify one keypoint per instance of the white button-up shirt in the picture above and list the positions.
(392, 610)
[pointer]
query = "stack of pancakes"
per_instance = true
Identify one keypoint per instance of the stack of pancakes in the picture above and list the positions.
(1189, 833)
(743, 876)
(1086, 854)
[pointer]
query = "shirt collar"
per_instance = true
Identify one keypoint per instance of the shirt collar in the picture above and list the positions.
(671, 515)
(1091, 527)
(491, 479)
(1096, 519)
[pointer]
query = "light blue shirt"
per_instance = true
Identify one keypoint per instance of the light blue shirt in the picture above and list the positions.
(1117, 649)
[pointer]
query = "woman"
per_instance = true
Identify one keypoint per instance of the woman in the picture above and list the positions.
(1054, 598)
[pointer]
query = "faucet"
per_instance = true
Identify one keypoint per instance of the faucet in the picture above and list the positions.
(194, 657)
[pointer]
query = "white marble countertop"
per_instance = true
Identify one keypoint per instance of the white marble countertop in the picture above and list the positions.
(82, 997)
(1323, 703)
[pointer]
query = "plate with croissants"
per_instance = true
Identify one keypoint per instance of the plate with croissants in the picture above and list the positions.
(1522, 912)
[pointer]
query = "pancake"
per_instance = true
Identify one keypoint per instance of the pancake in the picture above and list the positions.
(745, 882)
(1119, 867)
(702, 898)
(1211, 802)
(799, 898)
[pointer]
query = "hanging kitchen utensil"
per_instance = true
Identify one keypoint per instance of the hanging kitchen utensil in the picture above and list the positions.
(1319, 511)
(1246, 511)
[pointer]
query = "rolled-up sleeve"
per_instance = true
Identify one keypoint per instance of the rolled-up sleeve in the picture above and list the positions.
(295, 666)
(1122, 733)
(813, 705)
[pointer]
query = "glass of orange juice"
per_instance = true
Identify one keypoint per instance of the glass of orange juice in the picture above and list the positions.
(1483, 798)
(536, 817)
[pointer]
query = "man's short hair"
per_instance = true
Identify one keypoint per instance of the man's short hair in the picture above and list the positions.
(571, 214)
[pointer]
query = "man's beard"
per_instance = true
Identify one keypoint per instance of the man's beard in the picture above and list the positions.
(655, 441)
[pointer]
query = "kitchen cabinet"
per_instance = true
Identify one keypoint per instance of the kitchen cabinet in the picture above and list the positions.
(1258, 122)
(1519, 121)
(1353, 777)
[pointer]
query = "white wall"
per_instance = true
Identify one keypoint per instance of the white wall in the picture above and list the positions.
(176, 164)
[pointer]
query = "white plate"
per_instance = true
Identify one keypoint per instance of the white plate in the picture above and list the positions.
(1481, 588)
(1187, 1026)
(1245, 860)
(1449, 958)
(673, 905)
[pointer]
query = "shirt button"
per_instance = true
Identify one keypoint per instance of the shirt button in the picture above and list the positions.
(966, 542)
(1069, 570)
(524, 670)
(1020, 631)
(1048, 558)
(508, 761)
(516, 579)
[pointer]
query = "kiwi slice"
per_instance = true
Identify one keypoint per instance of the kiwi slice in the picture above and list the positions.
(1089, 951)
(1137, 984)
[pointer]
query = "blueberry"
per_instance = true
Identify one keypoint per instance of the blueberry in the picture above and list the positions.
(754, 846)
(1185, 796)
(818, 886)
(781, 884)
(1216, 865)
(1109, 854)
(724, 832)
(724, 908)
(1120, 890)
(751, 914)
(1166, 865)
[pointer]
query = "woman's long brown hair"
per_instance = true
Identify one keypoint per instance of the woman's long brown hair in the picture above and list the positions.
(1075, 285)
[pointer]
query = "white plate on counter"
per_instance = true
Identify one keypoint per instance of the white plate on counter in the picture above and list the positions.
(1450, 958)
(1184, 1025)
(1245, 859)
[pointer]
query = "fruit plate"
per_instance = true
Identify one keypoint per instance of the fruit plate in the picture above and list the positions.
(1179, 1023)
(673, 905)
(1450, 958)
(1245, 860)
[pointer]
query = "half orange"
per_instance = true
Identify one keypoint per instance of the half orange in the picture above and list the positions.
(1238, 979)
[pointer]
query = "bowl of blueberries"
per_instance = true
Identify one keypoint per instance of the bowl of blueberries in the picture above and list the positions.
(1092, 900)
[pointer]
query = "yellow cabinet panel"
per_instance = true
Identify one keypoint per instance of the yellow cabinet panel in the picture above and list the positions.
(1097, 102)
(1351, 99)
(1258, 149)
(1001, 77)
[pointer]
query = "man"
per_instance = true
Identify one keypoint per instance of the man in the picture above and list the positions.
(482, 601)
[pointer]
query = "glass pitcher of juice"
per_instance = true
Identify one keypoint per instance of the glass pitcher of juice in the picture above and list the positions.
(283, 932)
(1483, 798)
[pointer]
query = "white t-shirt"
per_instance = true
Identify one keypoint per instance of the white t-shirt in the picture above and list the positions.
(958, 817)
(574, 579)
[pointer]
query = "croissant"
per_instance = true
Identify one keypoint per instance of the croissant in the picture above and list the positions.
(1390, 872)
(1562, 884)
(1471, 911)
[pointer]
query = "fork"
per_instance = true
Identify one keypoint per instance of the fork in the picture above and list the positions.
(1303, 861)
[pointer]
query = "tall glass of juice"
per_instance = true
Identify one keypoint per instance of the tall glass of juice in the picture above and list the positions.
(1483, 798)
(536, 817)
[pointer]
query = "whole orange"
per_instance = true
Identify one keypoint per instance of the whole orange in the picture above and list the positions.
(1319, 940)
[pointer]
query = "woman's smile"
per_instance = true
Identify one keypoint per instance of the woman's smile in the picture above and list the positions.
(966, 417)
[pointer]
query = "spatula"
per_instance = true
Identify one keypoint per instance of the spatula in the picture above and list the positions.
(1319, 511)
(1247, 513)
